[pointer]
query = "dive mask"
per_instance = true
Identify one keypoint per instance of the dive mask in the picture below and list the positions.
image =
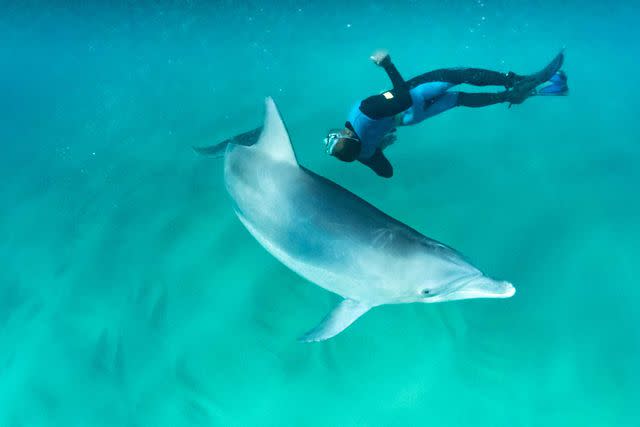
(332, 139)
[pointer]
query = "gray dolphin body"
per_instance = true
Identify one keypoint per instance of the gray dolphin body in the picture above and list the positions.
(335, 239)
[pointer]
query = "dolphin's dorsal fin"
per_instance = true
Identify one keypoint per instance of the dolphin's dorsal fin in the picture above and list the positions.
(274, 138)
(337, 321)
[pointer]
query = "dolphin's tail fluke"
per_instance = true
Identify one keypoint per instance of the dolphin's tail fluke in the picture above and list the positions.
(212, 150)
(272, 138)
(217, 150)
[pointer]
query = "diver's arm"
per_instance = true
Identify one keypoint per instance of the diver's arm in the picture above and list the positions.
(394, 75)
(382, 59)
(379, 164)
(390, 103)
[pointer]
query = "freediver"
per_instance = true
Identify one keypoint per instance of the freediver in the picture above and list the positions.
(372, 123)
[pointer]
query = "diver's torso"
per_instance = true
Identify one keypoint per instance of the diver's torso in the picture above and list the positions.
(427, 100)
(369, 131)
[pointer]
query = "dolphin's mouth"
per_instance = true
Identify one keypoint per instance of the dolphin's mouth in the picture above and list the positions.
(484, 287)
(477, 286)
(509, 290)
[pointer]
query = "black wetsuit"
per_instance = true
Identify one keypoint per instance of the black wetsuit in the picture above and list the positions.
(381, 106)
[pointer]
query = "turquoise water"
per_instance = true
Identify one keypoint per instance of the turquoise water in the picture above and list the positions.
(132, 296)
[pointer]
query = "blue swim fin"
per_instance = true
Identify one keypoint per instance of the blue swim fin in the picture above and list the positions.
(527, 86)
(557, 86)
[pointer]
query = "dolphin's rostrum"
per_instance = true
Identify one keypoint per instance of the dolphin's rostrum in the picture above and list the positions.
(335, 239)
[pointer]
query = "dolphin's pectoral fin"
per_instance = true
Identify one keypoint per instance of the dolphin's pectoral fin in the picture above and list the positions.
(337, 321)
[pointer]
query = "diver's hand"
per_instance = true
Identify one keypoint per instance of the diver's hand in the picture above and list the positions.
(381, 58)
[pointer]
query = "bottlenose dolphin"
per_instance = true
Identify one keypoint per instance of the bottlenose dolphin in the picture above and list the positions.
(335, 239)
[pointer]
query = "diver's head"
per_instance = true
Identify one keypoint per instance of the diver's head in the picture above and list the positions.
(343, 144)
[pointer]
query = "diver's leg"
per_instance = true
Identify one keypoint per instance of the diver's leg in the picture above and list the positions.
(475, 100)
(440, 103)
(471, 76)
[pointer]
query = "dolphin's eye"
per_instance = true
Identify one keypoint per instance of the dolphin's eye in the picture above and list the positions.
(426, 292)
